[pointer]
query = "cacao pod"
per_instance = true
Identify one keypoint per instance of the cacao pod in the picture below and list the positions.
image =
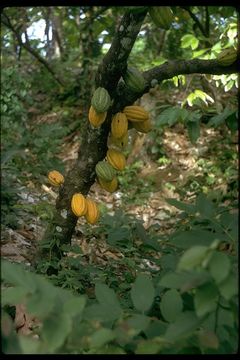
(134, 80)
(96, 119)
(105, 171)
(110, 186)
(144, 126)
(162, 16)
(119, 143)
(92, 214)
(135, 113)
(79, 204)
(227, 56)
(116, 159)
(55, 178)
(101, 100)
(119, 125)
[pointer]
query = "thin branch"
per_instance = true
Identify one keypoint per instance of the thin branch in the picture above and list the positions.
(6, 21)
(207, 21)
(195, 19)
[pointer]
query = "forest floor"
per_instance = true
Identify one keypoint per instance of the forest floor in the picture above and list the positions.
(143, 194)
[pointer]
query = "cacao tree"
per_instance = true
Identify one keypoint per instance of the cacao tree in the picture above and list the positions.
(93, 146)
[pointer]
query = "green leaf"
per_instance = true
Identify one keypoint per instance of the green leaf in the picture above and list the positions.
(169, 116)
(16, 275)
(193, 257)
(208, 339)
(193, 131)
(101, 313)
(204, 206)
(232, 122)
(220, 118)
(186, 239)
(55, 330)
(152, 346)
(138, 322)
(184, 326)
(101, 337)
(205, 299)
(188, 208)
(74, 306)
(106, 296)
(219, 266)
(189, 40)
(142, 293)
(185, 280)
(229, 287)
(13, 295)
(171, 305)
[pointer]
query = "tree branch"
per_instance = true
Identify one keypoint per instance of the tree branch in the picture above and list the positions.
(6, 21)
(195, 19)
(170, 69)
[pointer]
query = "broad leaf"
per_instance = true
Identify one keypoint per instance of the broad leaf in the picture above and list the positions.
(142, 293)
(184, 325)
(219, 266)
(193, 257)
(171, 305)
(205, 299)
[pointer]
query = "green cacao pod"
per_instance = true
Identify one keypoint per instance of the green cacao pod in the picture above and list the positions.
(101, 100)
(227, 56)
(105, 171)
(109, 186)
(79, 204)
(144, 126)
(135, 113)
(162, 16)
(116, 159)
(55, 178)
(92, 214)
(134, 80)
(119, 125)
(96, 119)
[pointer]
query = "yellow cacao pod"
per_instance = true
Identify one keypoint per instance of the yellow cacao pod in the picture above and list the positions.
(109, 186)
(55, 178)
(119, 125)
(227, 56)
(116, 159)
(92, 214)
(79, 204)
(96, 119)
(135, 113)
(144, 126)
(120, 143)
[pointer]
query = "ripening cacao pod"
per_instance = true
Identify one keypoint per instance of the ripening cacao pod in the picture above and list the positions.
(144, 126)
(118, 143)
(119, 125)
(96, 119)
(110, 186)
(116, 159)
(162, 16)
(55, 178)
(134, 79)
(92, 214)
(135, 113)
(227, 56)
(79, 204)
(105, 171)
(101, 100)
